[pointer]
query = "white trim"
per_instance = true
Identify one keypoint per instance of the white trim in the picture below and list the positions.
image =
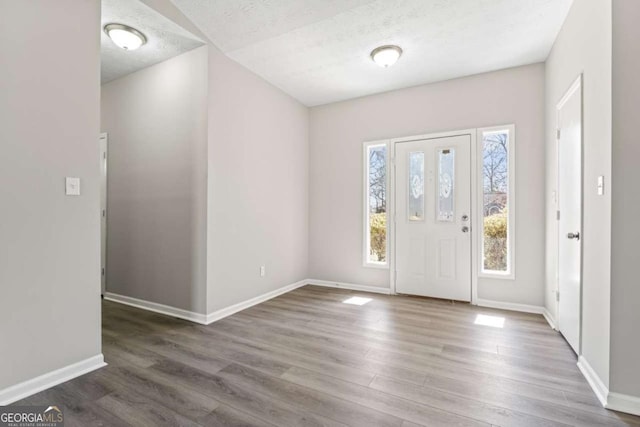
(577, 84)
(510, 274)
(50, 379)
(199, 317)
(365, 203)
(157, 308)
(549, 318)
(103, 216)
(391, 208)
(512, 306)
(350, 286)
(228, 311)
(594, 380)
(623, 403)
(474, 213)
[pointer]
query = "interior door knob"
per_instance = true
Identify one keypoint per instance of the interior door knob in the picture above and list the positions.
(575, 235)
(465, 229)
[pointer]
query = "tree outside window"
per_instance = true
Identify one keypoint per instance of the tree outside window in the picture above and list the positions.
(377, 203)
(495, 170)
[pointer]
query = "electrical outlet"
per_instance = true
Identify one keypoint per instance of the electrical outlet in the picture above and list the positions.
(263, 271)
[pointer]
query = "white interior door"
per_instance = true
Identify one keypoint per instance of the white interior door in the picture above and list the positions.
(103, 212)
(433, 217)
(570, 216)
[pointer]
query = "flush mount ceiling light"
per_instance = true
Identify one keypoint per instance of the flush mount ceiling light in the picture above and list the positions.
(124, 36)
(386, 56)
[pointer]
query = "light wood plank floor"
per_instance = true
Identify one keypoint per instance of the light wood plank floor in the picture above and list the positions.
(308, 359)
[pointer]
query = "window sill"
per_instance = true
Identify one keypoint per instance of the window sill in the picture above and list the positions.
(380, 266)
(499, 276)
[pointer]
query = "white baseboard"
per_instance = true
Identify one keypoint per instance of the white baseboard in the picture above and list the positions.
(50, 379)
(549, 318)
(610, 400)
(512, 306)
(228, 311)
(350, 286)
(157, 308)
(623, 403)
(200, 318)
(594, 380)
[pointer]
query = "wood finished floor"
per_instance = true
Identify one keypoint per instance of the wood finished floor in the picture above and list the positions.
(308, 359)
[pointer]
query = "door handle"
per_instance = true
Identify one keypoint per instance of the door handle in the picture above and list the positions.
(575, 235)
(465, 229)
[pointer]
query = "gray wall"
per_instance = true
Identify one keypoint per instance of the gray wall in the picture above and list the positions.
(254, 163)
(584, 46)
(156, 119)
(258, 185)
(338, 131)
(625, 288)
(49, 129)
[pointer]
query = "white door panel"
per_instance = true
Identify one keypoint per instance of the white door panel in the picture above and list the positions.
(433, 194)
(570, 223)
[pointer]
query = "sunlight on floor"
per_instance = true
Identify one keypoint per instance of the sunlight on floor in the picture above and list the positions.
(493, 321)
(357, 301)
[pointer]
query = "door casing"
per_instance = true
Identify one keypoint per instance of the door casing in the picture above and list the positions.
(103, 145)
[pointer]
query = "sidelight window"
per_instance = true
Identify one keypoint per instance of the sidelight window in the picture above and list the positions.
(497, 201)
(375, 204)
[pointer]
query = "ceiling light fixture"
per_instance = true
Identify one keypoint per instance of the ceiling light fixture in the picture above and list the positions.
(125, 37)
(386, 56)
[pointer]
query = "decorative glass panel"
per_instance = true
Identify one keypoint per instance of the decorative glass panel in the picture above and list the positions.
(416, 186)
(377, 204)
(495, 183)
(446, 184)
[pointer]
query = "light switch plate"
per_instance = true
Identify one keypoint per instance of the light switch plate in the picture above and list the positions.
(72, 186)
(600, 185)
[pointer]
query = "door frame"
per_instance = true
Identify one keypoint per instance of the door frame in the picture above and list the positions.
(103, 236)
(576, 85)
(391, 203)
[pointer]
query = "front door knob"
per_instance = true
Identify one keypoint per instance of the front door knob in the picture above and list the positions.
(465, 229)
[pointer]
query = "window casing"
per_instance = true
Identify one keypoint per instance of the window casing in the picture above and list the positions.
(496, 210)
(375, 206)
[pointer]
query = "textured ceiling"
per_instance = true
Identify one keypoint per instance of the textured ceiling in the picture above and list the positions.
(165, 39)
(318, 50)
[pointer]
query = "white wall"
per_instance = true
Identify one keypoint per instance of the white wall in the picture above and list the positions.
(625, 291)
(49, 242)
(336, 135)
(156, 119)
(584, 46)
(258, 185)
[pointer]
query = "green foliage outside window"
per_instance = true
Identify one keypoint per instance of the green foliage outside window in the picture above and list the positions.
(495, 241)
(378, 236)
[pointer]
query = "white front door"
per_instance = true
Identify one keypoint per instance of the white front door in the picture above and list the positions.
(570, 222)
(433, 217)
